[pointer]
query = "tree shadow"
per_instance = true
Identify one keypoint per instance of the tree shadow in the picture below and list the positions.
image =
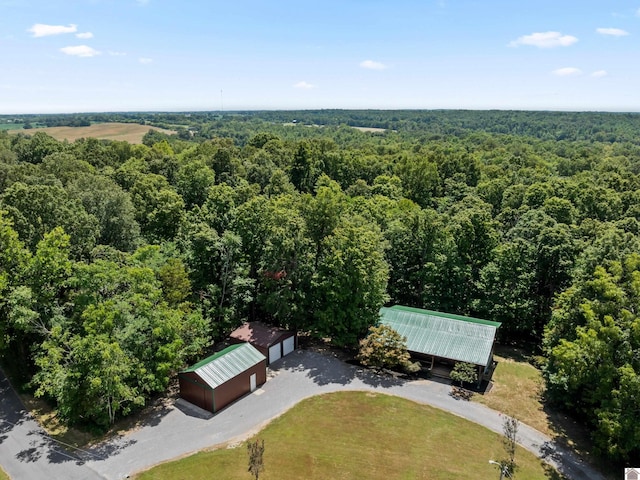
(11, 412)
(323, 369)
(572, 435)
(154, 416)
(551, 473)
(108, 448)
(460, 393)
(382, 379)
(326, 368)
(514, 353)
(30, 455)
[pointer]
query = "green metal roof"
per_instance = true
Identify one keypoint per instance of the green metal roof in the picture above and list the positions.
(226, 364)
(458, 338)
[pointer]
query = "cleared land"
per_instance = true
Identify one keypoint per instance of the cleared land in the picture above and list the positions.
(371, 129)
(354, 435)
(518, 391)
(10, 126)
(128, 132)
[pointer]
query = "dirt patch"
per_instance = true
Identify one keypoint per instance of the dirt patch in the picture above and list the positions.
(77, 437)
(128, 132)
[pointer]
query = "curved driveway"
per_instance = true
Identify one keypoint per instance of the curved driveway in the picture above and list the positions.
(182, 429)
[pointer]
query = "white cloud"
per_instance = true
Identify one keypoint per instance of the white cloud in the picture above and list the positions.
(545, 40)
(371, 65)
(42, 30)
(567, 72)
(84, 35)
(142, 2)
(80, 51)
(614, 32)
(304, 85)
(599, 73)
(116, 54)
(145, 60)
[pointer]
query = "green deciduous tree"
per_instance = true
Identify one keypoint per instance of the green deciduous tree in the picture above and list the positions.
(464, 372)
(112, 207)
(349, 286)
(592, 343)
(383, 347)
(193, 180)
(38, 209)
(159, 208)
(120, 341)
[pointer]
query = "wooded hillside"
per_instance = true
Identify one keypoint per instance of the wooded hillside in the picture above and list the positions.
(119, 263)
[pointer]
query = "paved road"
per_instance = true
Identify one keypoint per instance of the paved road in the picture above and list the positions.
(25, 450)
(181, 429)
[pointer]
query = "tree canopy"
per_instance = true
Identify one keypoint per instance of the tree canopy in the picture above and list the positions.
(120, 262)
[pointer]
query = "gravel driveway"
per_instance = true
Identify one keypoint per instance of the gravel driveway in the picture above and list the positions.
(181, 429)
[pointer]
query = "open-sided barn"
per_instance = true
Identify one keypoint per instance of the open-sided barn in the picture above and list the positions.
(274, 343)
(218, 380)
(444, 337)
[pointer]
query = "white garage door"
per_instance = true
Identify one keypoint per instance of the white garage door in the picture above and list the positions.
(288, 345)
(274, 353)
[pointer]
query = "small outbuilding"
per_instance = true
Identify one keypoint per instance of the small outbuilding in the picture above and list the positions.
(273, 342)
(218, 380)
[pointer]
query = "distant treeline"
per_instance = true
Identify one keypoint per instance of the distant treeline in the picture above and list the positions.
(572, 126)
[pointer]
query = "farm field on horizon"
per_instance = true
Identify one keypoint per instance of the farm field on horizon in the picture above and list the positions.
(127, 132)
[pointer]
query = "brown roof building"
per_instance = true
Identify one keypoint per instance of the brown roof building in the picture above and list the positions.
(273, 342)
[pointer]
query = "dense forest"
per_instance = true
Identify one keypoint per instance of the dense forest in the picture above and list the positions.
(120, 263)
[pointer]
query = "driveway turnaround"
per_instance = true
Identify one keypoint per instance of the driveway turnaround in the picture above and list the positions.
(181, 428)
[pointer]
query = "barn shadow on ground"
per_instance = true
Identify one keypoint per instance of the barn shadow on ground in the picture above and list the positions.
(192, 410)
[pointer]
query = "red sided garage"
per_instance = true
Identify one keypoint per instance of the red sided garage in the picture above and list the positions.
(220, 379)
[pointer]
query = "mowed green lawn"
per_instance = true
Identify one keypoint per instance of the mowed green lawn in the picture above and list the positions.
(355, 435)
(517, 391)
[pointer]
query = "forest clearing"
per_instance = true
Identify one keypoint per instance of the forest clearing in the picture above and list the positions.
(125, 132)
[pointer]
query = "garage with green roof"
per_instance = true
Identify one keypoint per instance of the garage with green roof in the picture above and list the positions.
(218, 380)
(443, 338)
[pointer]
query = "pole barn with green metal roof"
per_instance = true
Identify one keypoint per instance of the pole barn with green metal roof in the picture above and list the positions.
(218, 380)
(444, 337)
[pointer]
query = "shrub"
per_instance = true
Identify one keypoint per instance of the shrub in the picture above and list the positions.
(383, 347)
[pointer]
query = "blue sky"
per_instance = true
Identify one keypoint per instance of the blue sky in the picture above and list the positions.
(123, 55)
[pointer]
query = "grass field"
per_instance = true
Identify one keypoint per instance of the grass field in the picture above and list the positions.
(517, 391)
(3, 475)
(10, 126)
(354, 435)
(128, 132)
